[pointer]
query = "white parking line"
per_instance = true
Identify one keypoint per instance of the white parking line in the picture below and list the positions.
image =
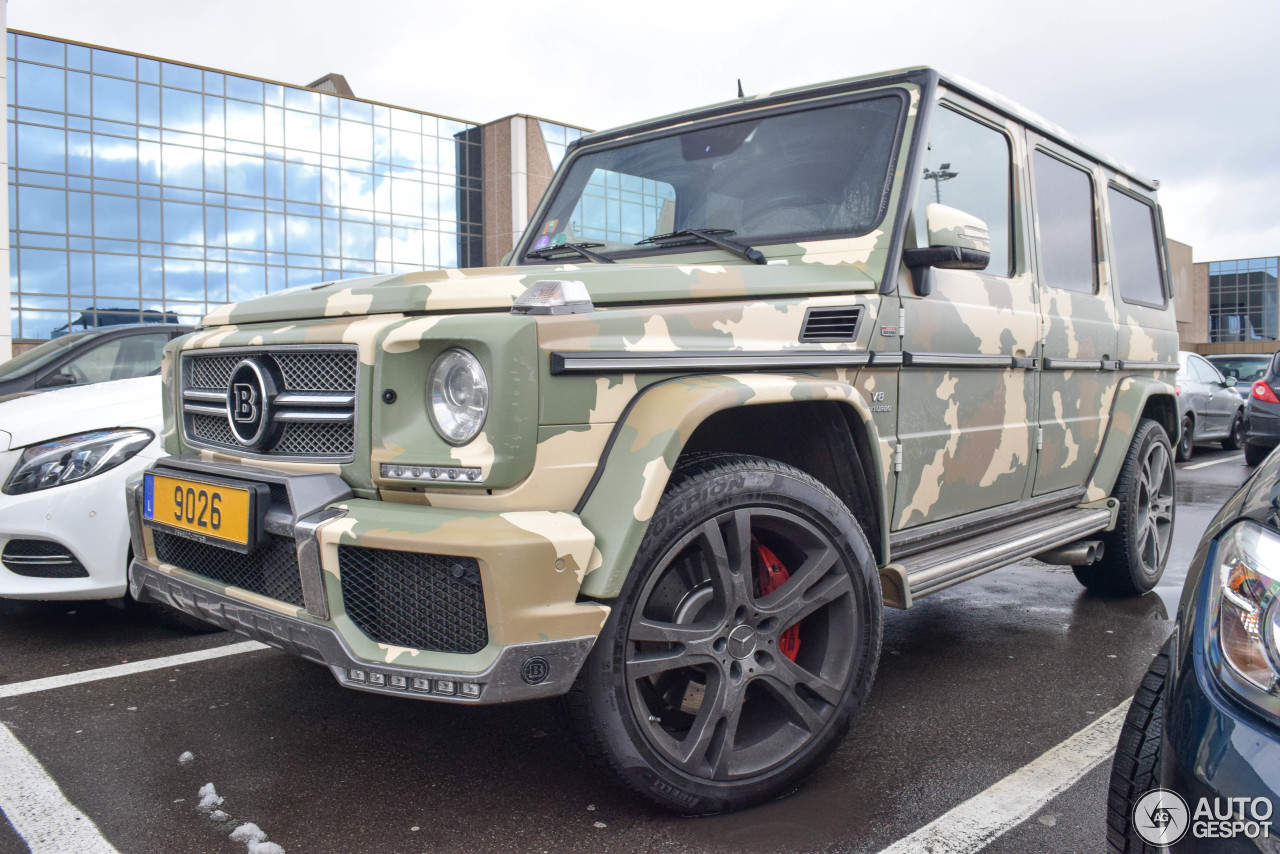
(19, 688)
(1232, 458)
(42, 816)
(977, 822)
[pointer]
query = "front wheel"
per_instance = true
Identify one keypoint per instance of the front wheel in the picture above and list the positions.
(1236, 437)
(1138, 547)
(1135, 770)
(743, 642)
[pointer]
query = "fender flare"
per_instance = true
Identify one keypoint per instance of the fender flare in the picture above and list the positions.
(649, 437)
(1131, 399)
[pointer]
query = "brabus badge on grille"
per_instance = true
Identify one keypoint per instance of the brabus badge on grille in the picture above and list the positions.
(250, 394)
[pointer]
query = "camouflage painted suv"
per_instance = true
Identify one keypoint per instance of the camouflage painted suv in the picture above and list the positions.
(758, 370)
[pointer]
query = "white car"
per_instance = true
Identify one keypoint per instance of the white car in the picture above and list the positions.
(64, 532)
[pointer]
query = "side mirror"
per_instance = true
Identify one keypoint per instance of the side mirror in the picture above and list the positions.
(56, 379)
(1231, 382)
(957, 241)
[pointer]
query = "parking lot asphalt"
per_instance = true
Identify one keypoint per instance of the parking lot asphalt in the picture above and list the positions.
(975, 683)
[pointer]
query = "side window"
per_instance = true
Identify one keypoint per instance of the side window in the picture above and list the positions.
(1137, 258)
(140, 356)
(968, 166)
(96, 365)
(1204, 372)
(1064, 216)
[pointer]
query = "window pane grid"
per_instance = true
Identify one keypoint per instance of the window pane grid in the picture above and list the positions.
(138, 184)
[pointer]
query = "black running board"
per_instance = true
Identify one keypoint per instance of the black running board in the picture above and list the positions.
(937, 569)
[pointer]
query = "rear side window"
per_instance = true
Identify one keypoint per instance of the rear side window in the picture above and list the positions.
(1064, 214)
(967, 167)
(1137, 255)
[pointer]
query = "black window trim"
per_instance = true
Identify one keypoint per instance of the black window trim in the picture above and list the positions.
(1157, 228)
(1095, 229)
(947, 102)
(879, 89)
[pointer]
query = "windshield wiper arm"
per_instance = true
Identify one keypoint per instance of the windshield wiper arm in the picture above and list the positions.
(583, 249)
(712, 236)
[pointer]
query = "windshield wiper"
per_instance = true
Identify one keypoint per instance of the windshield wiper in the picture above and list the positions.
(583, 249)
(712, 236)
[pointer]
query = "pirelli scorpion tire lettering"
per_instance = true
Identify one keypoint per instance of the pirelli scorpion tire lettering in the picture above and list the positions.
(745, 639)
(1137, 549)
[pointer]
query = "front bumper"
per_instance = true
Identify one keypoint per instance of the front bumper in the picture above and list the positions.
(530, 566)
(85, 518)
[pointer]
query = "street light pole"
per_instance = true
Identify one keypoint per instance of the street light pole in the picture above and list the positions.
(943, 173)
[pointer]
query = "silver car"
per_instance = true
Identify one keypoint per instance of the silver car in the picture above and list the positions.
(1208, 405)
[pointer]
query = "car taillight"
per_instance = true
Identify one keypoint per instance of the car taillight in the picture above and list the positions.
(1264, 392)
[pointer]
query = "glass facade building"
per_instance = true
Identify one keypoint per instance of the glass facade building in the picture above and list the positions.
(143, 185)
(1244, 300)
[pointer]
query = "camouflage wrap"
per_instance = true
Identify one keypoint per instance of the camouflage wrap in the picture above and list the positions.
(649, 442)
(986, 392)
(950, 227)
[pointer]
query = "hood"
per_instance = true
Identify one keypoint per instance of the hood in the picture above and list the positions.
(31, 419)
(496, 288)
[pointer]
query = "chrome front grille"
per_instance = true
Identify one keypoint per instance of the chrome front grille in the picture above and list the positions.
(313, 415)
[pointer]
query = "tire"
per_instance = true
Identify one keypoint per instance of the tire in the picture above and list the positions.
(1137, 550)
(1236, 437)
(1255, 454)
(695, 653)
(1186, 439)
(1136, 767)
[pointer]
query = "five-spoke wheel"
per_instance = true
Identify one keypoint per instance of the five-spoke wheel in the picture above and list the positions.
(745, 638)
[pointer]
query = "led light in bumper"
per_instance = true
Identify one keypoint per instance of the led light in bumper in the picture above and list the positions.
(1245, 603)
(434, 474)
(458, 395)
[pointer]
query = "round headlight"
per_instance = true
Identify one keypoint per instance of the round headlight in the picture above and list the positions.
(459, 395)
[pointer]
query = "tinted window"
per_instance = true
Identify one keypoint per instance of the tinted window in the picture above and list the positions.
(119, 359)
(967, 167)
(1137, 260)
(1244, 369)
(1064, 215)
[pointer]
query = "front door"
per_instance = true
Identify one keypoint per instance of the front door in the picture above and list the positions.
(967, 385)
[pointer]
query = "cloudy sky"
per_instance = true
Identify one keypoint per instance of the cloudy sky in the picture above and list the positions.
(1185, 92)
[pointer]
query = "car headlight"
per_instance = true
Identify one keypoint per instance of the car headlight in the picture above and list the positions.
(458, 391)
(1245, 604)
(74, 458)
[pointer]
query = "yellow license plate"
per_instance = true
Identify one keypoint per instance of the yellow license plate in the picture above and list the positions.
(214, 510)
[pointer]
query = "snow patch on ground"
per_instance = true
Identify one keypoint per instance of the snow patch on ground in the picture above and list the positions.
(253, 837)
(186, 758)
(209, 800)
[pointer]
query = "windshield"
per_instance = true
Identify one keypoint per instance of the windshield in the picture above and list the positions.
(39, 356)
(820, 172)
(1244, 369)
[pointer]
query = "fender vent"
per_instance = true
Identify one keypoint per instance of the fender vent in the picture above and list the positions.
(831, 324)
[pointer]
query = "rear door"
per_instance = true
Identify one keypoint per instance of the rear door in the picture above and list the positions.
(1078, 377)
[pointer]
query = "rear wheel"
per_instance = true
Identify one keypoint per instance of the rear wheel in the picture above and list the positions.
(1136, 551)
(1236, 437)
(1186, 440)
(1255, 454)
(743, 642)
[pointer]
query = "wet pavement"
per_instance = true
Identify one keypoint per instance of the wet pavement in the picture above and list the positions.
(974, 683)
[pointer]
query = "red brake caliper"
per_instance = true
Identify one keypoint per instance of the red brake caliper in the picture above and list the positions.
(772, 575)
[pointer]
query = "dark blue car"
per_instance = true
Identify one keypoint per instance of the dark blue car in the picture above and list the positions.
(1197, 767)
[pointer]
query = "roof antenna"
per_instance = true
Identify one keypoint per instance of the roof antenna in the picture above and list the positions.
(740, 93)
